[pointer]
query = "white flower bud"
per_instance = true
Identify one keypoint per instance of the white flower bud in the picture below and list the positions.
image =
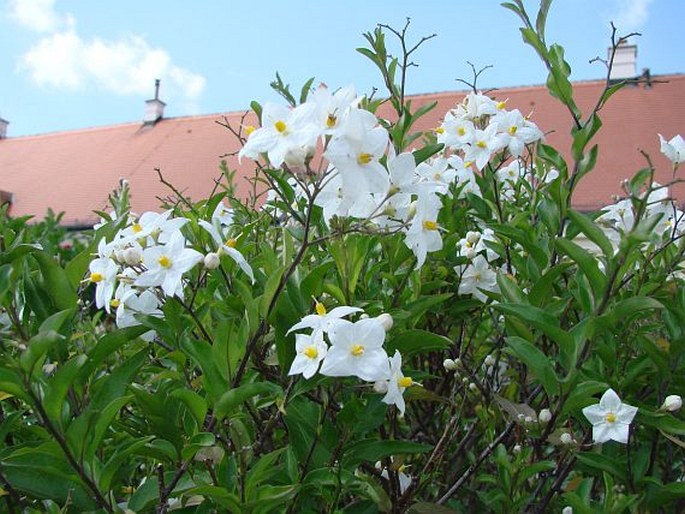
(473, 387)
(132, 256)
(489, 360)
(363, 315)
(465, 380)
(295, 157)
(528, 420)
(449, 365)
(566, 438)
(567, 510)
(212, 260)
(473, 237)
(517, 448)
(380, 386)
(672, 403)
(386, 320)
(470, 253)
(412, 210)
(545, 416)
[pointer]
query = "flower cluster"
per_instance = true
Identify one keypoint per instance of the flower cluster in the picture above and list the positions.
(354, 349)
(145, 263)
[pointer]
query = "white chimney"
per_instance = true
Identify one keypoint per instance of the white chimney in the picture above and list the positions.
(625, 62)
(3, 128)
(154, 109)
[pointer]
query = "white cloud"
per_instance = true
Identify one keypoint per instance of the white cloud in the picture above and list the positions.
(37, 15)
(128, 65)
(631, 14)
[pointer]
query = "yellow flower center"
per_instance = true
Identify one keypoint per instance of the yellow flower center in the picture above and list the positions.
(114, 303)
(136, 228)
(512, 130)
(357, 350)
(430, 225)
(320, 308)
(249, 130)
(280, 126)
(331, 121)
(482, 144)
(364, 158)
(96, 277)
(437, 176)
(440, 130)
(230, 242)
(610, 418)
(404, 382)
(311, 352)
(461, 131)
(468, 164)
(164, 261)
(501, 105)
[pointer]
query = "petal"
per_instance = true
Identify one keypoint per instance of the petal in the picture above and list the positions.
(601, 433)
(619, 433)
(594, 414)
(626, 414)
(610, 401)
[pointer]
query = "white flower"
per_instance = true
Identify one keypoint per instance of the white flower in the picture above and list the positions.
(672, 403)
(478, 277)
(323, 320)
(610, 418)
(397, 383)
(485, 143)
(226, 245)
(311, 349)
(673, 149)
(424, 236)
(545, 416)
(357, 350)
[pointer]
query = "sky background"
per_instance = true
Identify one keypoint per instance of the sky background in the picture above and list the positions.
(70, 64)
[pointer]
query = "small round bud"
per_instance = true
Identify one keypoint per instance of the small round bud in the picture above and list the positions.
(470, 253)
(517, 448)
(449, 365)
(132, 256)
(489, 360)
(472, 237)
(465, 380)
(386, 320)
(528, 420)
(363, 315)
(380, 386)
(212, 260)
(672, 403)
(473, 387)
(566, 438)
(545, 416)
(567, 510)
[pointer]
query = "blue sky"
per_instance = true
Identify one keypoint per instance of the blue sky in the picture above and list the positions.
(69, 64)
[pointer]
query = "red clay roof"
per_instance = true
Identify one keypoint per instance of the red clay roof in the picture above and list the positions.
(75, 171)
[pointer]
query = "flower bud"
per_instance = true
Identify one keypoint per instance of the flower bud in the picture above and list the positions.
(672, 403)
(473, 387)
(472, 237)
(449, 365)
(528, 420)
(566, 438)
(132, 256)
(489, 360)
(212, 260)
(517, 448)
(386, 320)
(567, 510)
(545, 416)
(380, 386)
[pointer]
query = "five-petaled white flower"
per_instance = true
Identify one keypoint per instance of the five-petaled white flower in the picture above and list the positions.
(610, 418)
(397, 383)
(673, 149)
(311, 349)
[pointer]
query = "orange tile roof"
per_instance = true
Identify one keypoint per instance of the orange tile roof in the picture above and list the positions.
(74, 171)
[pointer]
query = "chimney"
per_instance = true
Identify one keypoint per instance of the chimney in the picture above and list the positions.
(154, 109)
(3, 128)
(625, 62)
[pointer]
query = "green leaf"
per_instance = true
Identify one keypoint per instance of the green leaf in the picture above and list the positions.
(541, 320)
(306, 88)
(412, 342)
(582, 136)
(58, 385)
(593, 232)
(58, 286)
(587, 263)
(18, 251)
(38, 347)
(214, 381)
(233, 398)
(195, 403)
(607, 463)
(537, 362)
(430, 508)
(426, 152)
(373, 450)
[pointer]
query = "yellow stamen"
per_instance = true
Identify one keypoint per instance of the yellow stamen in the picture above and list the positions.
(320, 309)
(468, 164)
(482, 144)
(404, 382)
(501, 105)
(357, 350)
(311, 352)
(610, 418)
(280, 126)
(136, 228)
(331, 121)
(231, 242)
(114, 303)
(96, 277)
(512, 130)
(430, 225)
(440, 130)
(164, 261)
(249, 130)
(437, 176)
(364, 158)
(461, 131)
